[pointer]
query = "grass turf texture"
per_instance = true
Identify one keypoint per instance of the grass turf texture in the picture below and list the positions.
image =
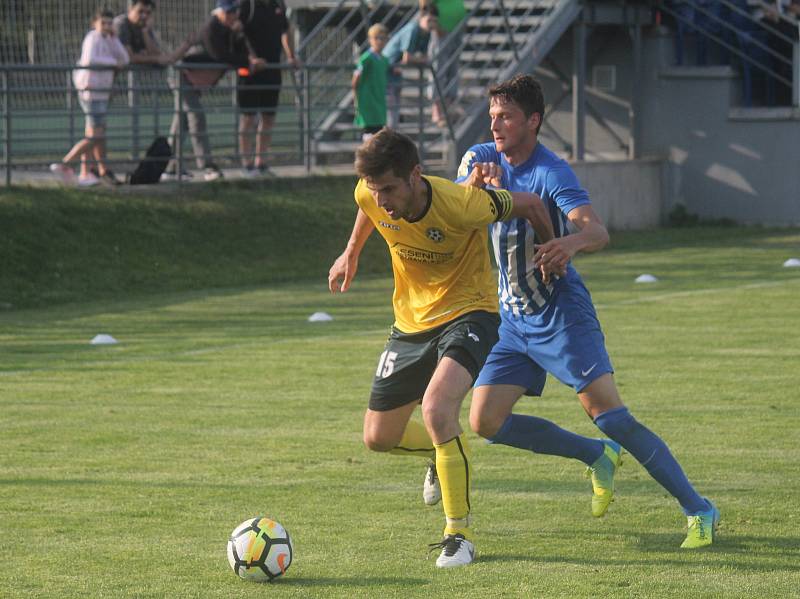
(125, 467)
(69, 245)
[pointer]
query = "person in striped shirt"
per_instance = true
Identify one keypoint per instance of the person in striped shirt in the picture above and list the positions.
(549, 324)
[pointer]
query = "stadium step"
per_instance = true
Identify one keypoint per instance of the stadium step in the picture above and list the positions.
(494, 46)
(499, 23)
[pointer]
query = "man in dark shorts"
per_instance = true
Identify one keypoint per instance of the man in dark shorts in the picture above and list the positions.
(445, 316)
(217, 41)
(267, 30)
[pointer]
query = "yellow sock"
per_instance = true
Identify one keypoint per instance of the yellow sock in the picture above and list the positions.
(416, 442)
(452, 467)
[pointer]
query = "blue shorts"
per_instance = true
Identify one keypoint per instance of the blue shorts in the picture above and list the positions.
(564, 340)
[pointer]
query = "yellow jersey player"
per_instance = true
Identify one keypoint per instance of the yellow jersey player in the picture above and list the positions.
(445, 313)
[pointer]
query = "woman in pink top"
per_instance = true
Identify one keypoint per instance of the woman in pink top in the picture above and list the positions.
(100, 48)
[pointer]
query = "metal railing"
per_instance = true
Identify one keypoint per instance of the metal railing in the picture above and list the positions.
(485, 43)
(41, 119)
(732, 27)
(337, 47)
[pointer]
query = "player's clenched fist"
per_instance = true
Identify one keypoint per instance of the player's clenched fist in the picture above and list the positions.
(485, 173)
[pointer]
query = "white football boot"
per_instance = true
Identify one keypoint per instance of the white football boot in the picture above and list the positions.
(456, 551)
(431, 489)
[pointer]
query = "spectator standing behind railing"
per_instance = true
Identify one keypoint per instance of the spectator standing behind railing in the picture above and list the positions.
(752, 39)
(369, 83)
(708, 20)
(135, 31)
(408, 46)
(444, 50)
(684, 18)
(702, 20)
(100, 48)
(781, 19)
(218, 41)
(268, 32)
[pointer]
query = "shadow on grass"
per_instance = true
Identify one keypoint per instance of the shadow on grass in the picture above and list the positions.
(765, 546)
(726, 553)
(548, 486)
(138, 484)
(352, 581)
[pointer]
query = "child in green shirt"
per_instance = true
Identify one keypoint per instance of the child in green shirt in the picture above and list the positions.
(369, 83)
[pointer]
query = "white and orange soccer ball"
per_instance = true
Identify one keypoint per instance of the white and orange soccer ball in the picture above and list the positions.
(260, 550)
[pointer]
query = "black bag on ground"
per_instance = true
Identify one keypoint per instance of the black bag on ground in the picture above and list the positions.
(154, 163)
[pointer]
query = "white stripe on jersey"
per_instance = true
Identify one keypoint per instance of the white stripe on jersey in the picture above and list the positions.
(519, 292)
(530, 277)
(512, 276)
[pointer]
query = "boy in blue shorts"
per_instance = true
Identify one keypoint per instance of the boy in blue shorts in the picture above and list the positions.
(548, 323)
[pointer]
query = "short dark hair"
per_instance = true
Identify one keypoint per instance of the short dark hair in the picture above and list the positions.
(102, 13)
(386, 151)
(429, 9)
(150, 3)
(524, 91)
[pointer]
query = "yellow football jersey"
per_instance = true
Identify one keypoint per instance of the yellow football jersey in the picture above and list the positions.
(440, 261)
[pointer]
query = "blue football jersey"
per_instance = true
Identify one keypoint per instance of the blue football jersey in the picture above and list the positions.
(520, 286)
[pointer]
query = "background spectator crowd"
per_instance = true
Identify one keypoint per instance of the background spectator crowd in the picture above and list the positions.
(254, 38)
(248, 35)
(750, 34)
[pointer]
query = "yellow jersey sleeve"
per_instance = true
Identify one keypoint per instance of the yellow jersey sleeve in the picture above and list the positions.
(484, 206)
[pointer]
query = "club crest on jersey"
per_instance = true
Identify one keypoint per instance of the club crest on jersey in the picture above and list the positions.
(435, 234)
(391, 226)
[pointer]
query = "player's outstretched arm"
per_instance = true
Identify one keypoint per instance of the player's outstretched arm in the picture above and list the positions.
(344, 268)
(524, 205)
(530, 206)
(591, 236)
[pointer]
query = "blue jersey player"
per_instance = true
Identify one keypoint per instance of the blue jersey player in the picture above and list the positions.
(548, 322)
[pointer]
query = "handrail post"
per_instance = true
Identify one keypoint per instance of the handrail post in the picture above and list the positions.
(502, 6)
(133, 105)
(7, 114)
(421, 113)
(635, 108)
(179, 133)
(70, 107)
(796, 72)
(438, 93)
(300, 93)
(237, 157)
(306, 110)
(578, 89)
(155, 93)
(299, 104)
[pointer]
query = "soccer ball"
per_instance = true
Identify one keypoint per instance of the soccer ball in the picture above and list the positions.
(259, 549)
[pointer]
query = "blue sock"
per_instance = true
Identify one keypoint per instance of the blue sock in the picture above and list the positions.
(542, 436)
(652, 453)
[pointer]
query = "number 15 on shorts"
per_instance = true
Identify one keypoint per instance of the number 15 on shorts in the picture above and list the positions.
(386, 364)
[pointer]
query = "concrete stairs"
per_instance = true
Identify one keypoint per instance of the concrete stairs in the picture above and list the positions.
(499, 38)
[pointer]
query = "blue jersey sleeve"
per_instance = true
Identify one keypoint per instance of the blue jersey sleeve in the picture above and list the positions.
(564, 189)
(477, 153)
(399, 43)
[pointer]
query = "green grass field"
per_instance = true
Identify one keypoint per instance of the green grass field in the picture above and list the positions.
(124, 468)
